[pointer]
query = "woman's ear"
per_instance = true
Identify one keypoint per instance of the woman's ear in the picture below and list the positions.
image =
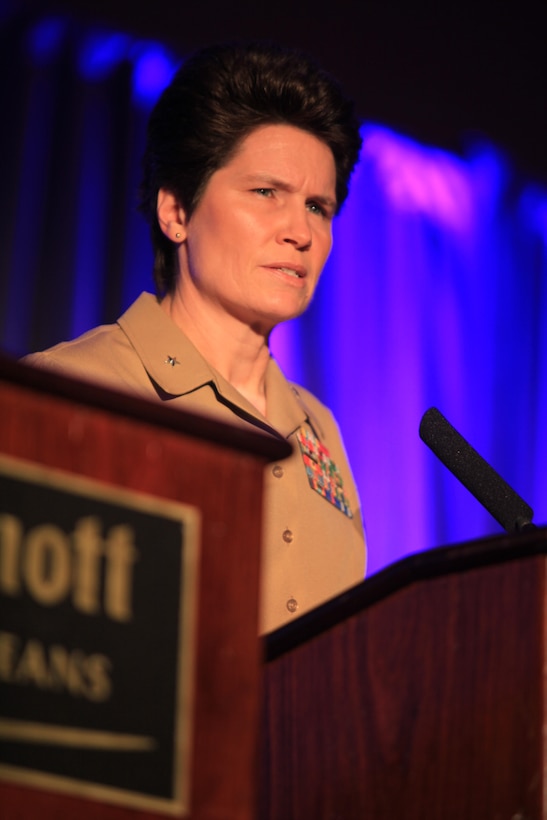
(171, 216)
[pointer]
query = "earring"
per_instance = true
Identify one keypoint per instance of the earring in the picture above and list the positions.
(178, 235)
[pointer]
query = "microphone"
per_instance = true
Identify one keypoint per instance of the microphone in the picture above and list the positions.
(482, 481)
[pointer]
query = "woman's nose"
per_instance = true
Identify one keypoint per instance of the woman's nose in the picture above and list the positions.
(295, 229)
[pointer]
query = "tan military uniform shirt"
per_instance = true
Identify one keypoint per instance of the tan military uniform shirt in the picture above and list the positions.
(313, 536)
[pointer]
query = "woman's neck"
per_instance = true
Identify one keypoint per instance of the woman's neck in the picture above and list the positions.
(238, 352)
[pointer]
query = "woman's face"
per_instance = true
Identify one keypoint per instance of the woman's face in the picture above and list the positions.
(256, 243)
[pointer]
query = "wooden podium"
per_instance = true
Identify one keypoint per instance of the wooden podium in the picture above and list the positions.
(119, 443)
(418, 694)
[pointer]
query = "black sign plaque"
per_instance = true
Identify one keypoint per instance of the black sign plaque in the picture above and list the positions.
(97, 615)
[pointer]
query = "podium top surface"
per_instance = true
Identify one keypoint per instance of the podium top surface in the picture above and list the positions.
(432, 563)
(94, 396)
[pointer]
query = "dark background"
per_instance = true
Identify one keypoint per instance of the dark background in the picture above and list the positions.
(439, 75)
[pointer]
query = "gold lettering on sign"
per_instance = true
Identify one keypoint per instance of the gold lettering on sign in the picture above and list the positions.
(11, 535)
(47, 564)
(96, 572)
(88, 545)
(55, 668)
(120, 557)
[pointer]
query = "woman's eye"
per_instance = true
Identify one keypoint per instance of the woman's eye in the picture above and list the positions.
(316, 209)
(264, 191)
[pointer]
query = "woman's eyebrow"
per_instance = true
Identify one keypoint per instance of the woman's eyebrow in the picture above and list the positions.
(282, 185)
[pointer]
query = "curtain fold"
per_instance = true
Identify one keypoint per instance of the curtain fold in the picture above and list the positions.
(434, 294)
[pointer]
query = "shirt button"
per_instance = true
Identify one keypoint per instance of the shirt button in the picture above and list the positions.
(292, 605)
(278, 471)
(288, 536)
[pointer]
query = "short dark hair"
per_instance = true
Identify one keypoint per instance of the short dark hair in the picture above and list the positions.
(214, 101)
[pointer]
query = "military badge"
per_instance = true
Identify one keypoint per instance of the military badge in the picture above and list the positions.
(323, 474)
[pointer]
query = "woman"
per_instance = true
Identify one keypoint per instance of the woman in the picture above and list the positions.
(248, 159)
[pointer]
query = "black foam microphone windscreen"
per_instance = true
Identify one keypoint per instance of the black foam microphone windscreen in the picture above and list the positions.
(501, 501)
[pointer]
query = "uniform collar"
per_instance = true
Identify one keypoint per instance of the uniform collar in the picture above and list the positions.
(177, 368)
(286, 411)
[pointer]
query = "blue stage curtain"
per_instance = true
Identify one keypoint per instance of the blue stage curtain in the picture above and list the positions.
(435, 292)
(435, 295)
